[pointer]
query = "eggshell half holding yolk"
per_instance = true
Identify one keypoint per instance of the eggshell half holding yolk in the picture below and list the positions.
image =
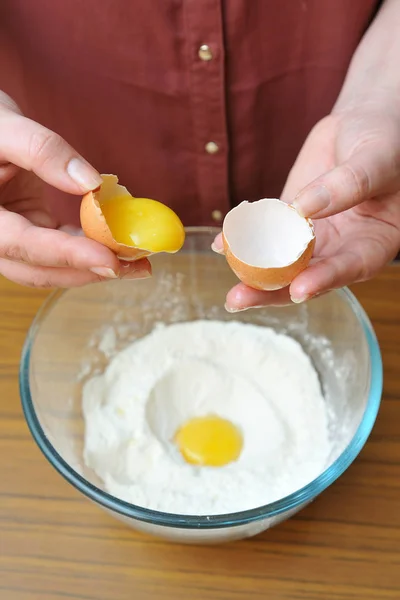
(131, 227)
(267, 243)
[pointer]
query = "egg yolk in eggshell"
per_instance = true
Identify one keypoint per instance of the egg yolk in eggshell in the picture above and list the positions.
(209, 441)
(143, 223)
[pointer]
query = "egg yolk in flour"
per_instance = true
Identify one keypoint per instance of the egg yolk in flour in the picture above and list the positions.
(209, 441)
(143, 223)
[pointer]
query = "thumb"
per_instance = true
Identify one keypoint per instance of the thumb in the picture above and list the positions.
(371, 172)
(31, 146)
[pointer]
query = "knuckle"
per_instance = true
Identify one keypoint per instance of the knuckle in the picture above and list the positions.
(66, 257)
(360, 180)
(363, 268)
(44, 144)
(12, 252)
(363, 272)
(41, 280)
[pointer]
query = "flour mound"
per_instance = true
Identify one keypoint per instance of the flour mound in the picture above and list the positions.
(260, 380)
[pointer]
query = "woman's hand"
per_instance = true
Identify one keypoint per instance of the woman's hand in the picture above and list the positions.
(32, 250)
(352, 159)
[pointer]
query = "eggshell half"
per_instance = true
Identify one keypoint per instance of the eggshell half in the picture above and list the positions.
(267, 243)
(94, 224)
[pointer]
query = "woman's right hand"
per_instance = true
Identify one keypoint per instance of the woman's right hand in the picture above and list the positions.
(32, 251)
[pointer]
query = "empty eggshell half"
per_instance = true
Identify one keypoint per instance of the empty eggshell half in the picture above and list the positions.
(95, 226)
(267, 243)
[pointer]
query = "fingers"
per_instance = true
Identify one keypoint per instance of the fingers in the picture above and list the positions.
(7, 172)
(23, 242)
(37, 254)
(328, 274)
(50, 277)
(57, 259)
(358, 261)
(241, 298)
(43, 277)
(217, 244)
(371, 172)
(33, 147)
(314, 159)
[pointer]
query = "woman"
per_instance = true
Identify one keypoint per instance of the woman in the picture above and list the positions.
(200, 105)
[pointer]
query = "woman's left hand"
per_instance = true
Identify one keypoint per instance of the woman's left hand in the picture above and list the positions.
(352, 159)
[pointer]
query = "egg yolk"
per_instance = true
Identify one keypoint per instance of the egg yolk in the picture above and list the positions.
(209, 441)
(143, 223)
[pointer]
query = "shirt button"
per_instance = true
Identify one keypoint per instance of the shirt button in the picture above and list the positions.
(217, 215)
(205, 52)
(212, 148)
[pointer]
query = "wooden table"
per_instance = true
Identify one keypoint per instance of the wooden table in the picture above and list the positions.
(56, 545)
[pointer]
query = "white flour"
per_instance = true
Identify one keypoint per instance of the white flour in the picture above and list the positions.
(261, 381)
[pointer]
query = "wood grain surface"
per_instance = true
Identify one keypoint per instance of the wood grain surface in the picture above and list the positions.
(56, 545)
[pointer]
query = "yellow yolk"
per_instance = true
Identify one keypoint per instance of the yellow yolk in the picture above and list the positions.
(209, 441)
(143, 223)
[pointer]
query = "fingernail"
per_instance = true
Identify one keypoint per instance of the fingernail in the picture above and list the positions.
(214, 248)
(83, 174)
(309, 297)
(232, 310)
(300, 299)
(104, 272)
(256, 306)
(141, 274)
(312, 201)
(71, 230)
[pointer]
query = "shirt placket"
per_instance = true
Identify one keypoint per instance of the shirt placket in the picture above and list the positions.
(206, 67)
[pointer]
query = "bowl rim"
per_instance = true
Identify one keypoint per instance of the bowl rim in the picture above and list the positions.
(288, 503)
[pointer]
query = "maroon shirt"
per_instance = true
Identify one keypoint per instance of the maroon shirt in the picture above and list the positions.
(129, 85)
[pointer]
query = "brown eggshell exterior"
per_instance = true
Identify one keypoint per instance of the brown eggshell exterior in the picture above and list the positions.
(95, 227)
(268, 279)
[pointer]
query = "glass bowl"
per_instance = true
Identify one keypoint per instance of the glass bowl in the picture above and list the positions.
(77, 332)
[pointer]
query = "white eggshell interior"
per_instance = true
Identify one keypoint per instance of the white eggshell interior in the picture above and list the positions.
(267, 233)
(110, 189)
